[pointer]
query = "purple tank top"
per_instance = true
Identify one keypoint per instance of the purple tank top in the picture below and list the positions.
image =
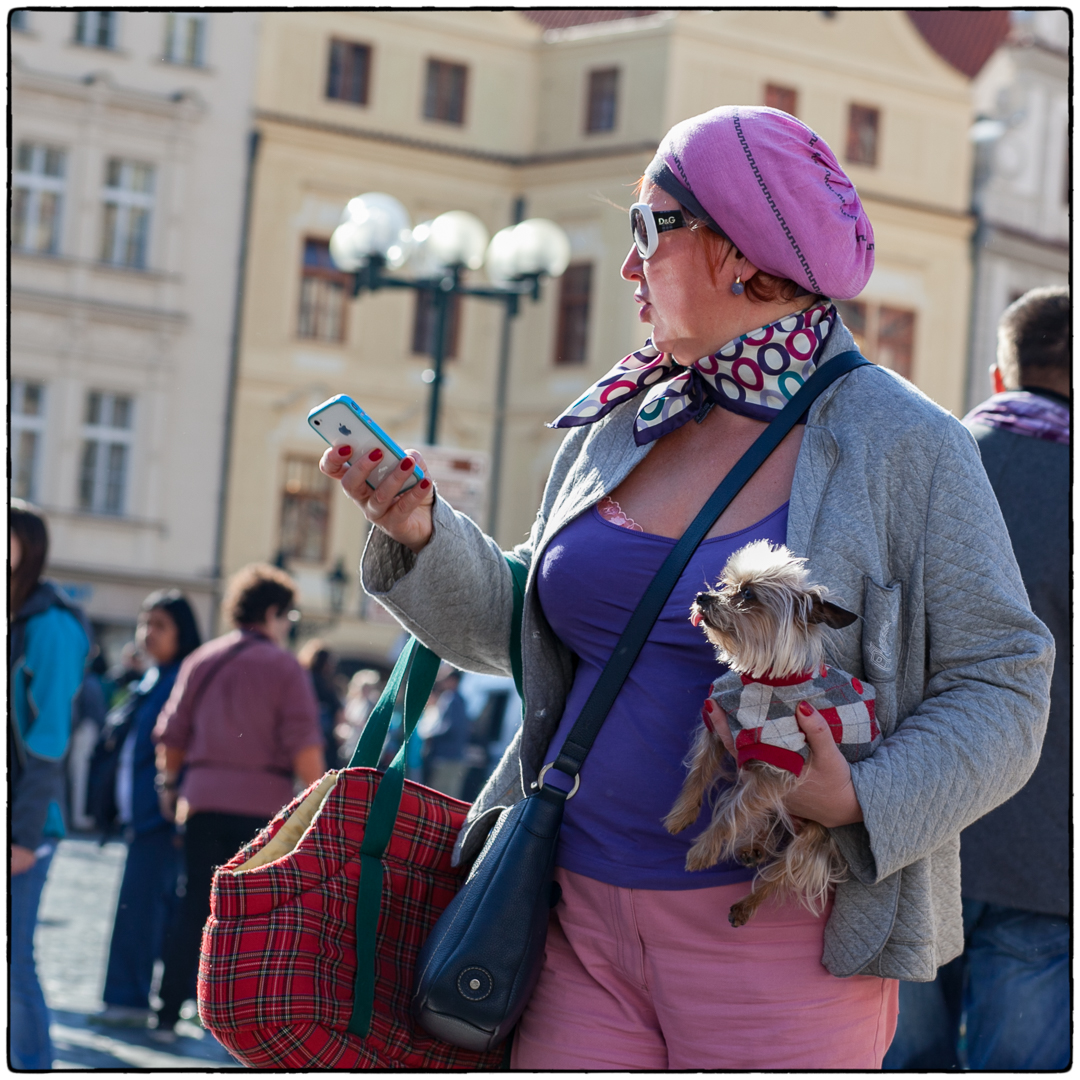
(592, 575)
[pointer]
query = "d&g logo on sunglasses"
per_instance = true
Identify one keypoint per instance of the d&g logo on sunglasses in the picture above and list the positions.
(666, 220)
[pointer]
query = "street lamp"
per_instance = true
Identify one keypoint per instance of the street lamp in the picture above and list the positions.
(375, 235)
(336, 581)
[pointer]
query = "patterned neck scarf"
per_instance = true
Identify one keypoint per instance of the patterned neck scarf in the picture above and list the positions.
(1024, 413)
(755, 375)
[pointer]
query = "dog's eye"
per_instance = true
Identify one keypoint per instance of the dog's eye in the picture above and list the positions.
(747, 594)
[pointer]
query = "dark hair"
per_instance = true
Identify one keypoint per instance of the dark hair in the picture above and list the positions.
(253, 590)
(1034, 333)
(28, 524)
(175, 604)
(314, 656)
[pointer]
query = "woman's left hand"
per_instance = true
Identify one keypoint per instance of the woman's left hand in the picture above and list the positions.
(825, 792)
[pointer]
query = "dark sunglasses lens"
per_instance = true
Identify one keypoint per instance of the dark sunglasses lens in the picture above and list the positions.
(637, 227)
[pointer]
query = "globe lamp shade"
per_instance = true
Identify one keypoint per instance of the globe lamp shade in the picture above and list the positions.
(457, 238)
(348, 247)
(372, 224)
(535, 246)
(422, 260)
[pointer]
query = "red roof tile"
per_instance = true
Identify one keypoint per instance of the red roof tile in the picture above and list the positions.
(559, 18)
(964, 39)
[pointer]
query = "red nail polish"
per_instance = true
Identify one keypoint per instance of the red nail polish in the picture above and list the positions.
(345, 451)
(425, 484)
(805, 708)
(406, 464)
(706, 719)
(375, 455)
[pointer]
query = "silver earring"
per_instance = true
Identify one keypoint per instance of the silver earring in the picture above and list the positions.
(738, 288)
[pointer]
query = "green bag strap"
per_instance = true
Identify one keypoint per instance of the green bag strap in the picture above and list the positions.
(416, 667)
(520, 574)
(422, 666)
(369, 748)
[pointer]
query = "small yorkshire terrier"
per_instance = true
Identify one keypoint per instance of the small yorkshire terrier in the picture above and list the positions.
(768, 624)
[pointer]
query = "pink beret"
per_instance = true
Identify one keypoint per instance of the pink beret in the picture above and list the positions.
(774, 188)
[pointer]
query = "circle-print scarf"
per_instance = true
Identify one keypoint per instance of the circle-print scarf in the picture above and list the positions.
(756, 375)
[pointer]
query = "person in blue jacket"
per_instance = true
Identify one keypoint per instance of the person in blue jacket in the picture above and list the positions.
(166, 634)
(49, 640)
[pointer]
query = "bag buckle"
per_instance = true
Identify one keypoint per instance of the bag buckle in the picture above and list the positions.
(551, 765)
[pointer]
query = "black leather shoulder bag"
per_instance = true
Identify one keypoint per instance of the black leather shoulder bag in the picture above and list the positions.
(480, 964)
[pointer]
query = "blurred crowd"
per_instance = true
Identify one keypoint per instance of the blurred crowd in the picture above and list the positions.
(183, 749)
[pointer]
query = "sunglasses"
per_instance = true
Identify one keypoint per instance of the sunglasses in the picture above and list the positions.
(646, 225)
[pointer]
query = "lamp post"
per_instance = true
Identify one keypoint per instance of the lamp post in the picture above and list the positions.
(337, 581)
(375, 237)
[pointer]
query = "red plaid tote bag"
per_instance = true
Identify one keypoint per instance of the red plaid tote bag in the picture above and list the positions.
(308, 954)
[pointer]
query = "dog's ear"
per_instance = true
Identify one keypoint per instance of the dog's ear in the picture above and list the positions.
(822, 611)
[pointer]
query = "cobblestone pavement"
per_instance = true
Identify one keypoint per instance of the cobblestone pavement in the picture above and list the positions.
(72, 947)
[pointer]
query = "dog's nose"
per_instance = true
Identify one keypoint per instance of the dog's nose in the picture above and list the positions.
(701, 598)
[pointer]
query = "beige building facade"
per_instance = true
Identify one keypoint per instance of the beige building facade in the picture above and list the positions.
(501, 113)
(128, 139)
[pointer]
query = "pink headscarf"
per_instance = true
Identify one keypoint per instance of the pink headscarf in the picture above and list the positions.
(774, 188)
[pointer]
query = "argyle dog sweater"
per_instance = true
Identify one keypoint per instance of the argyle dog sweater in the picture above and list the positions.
(761, 715)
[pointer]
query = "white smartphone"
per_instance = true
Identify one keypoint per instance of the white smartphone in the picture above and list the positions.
(341, 422)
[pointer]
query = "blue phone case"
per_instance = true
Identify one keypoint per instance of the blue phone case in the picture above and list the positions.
(340, 421)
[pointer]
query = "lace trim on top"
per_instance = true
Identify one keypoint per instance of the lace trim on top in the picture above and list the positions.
(611, 511)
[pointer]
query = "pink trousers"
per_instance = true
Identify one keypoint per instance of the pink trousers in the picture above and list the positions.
(648, 979)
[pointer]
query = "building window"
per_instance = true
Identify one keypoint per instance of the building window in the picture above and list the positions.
(37, 197)
(896, 339)
(423, 337)
(324, 290)
(185, 38)
(19, 20)
(129, 199)
(862, 135)
(444, 96)
(783, 98)
(305, 510)
(575, 291)
(27, 431)
(603, 100)
(883, 334)
(96, 28)
(350, 67)
(106, 450)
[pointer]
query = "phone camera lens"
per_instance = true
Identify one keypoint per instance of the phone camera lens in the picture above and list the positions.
(315, 422)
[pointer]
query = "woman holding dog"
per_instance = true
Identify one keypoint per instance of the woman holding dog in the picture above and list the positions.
(745, 230)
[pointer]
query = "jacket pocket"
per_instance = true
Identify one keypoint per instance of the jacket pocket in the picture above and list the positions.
(881, 637)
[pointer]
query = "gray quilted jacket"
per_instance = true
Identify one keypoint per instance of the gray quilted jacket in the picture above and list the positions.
(892, 508)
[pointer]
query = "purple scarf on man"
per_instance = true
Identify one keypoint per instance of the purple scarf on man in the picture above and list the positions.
(1024, 413)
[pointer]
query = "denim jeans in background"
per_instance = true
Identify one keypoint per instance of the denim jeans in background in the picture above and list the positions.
(144, 909)
(31, 1047)
(1017, 998)
(1005, 1004)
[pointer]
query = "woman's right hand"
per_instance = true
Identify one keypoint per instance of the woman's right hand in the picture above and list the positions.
(406, 518)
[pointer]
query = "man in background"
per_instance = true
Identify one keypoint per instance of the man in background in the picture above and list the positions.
(240, 724)
(1009, 991)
